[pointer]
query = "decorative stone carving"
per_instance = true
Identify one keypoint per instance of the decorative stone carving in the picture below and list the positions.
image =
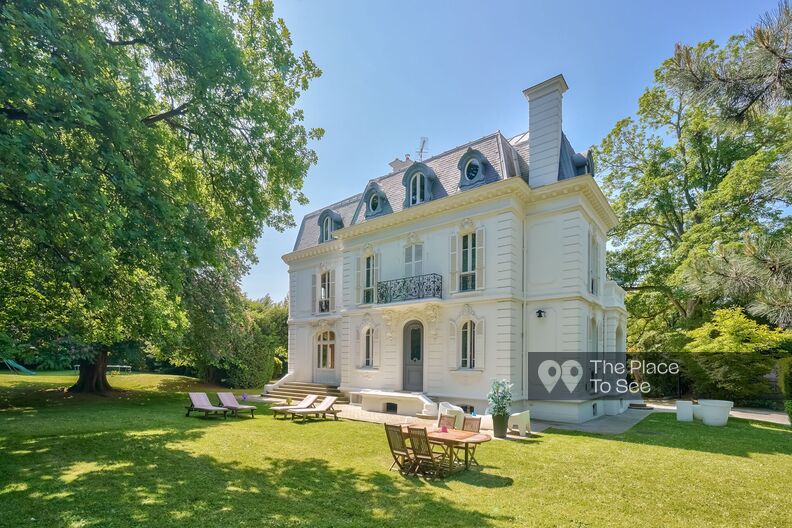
(467, 226)
(388, 317)
(432, 314)
(412, 239)
(322, 325)
(366, 322)
(368, 250)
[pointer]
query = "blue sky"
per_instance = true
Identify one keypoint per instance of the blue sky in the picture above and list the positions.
(455, 71)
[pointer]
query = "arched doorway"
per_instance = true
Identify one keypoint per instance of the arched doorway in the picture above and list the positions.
(413, 346)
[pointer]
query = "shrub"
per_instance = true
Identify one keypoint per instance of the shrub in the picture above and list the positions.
(785, 383)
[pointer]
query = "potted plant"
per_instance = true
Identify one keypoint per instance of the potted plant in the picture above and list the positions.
(500, 398)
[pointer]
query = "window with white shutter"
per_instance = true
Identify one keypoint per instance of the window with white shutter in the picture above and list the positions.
(479, 260)
(369, 279)
(314, 307)
(453, 264)
(325, 292)
(413, 260)
(467, 275)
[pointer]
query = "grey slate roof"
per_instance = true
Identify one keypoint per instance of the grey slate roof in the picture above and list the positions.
(506, 158)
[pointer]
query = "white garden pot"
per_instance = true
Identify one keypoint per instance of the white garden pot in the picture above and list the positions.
(715, 412)
(697, 411)
(684, 411)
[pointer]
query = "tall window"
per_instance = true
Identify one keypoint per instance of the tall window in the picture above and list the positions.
(593, 350)
(368, 281)
(417, 188)
(467, 278)
(327, 229)
(413, 260)
(325, 292)
(368, 348)
(325, 350)
(468, 356)
(594, 265)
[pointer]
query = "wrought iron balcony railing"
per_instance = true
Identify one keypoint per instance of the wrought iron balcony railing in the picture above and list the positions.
(420, 287)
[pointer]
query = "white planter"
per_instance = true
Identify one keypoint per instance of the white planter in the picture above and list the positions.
(715, 412)
(684, 411)
(697, 411)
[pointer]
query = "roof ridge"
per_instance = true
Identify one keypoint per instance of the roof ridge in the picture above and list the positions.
(444, 153)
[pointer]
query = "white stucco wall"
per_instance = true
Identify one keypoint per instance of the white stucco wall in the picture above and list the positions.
(536, 257)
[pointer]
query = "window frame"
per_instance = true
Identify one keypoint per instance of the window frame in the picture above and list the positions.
(325, 293)
(368, 348)
(369, 281)
(413, 249)
(417, 188)
(467, 277)
(478, 173)
(371, 199)
(325, 350)
(327, 229)
(467, 348)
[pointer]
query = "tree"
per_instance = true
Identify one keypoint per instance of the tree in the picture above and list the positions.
(140, 141)
(751, 75)
(734, 353)
(756, 274)
(681, 183)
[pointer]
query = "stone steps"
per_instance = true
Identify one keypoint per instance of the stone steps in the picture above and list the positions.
(299, 390)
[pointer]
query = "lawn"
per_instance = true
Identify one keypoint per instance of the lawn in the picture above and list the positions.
(135, 460)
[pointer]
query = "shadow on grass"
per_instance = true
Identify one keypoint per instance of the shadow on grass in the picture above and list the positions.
(148, 477)
(739, 438)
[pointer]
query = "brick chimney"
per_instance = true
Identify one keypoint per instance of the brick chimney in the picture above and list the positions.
(544, 130)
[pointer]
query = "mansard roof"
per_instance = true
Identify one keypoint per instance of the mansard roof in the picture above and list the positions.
(504, 158)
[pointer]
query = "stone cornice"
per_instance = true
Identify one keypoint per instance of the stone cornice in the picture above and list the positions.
(322, 249)
(511, 187)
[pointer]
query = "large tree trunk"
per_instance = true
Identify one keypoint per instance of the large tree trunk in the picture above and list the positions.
(93, 376)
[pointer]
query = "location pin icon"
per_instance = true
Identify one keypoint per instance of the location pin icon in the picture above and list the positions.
(549, 373)
(571, 372)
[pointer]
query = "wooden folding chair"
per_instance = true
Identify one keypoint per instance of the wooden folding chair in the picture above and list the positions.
(402, 455)
(473, 425)
(427, 461)
(447, 420)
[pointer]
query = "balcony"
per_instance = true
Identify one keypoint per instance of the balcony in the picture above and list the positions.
(429, 286)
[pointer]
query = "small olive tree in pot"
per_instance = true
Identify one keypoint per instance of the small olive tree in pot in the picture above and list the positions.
(500, 398)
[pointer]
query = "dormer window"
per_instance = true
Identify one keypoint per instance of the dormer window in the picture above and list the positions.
(374, 203)
(472, 168)
(417, 188)
(329, 221)
(420, 185)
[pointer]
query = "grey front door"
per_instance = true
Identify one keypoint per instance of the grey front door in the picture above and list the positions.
(413, 356)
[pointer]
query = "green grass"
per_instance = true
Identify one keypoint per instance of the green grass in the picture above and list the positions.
(135, 460)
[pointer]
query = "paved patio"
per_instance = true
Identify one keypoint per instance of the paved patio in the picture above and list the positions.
(607, 425)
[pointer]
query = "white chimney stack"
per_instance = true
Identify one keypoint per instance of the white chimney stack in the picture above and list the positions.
(544, 130)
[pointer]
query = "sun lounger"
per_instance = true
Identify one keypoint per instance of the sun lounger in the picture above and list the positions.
(199, 402)
(321, 410)
(306, 403)
(229, 401)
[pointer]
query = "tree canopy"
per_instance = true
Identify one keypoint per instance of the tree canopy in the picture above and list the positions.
(684, 181)
(141, 144)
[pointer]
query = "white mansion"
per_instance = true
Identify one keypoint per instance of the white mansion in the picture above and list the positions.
(447, 273)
